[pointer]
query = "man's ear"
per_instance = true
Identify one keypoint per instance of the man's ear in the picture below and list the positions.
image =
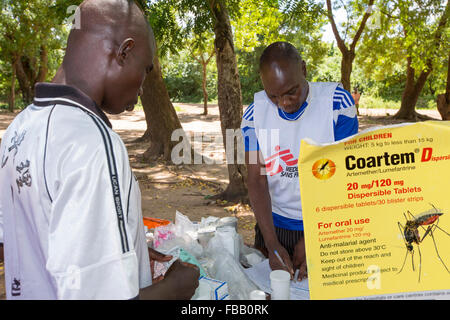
(124, 50)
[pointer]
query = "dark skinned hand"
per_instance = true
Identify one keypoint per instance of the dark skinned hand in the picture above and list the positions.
(157, 256)
(275, 263)
(299, 259)
(183, 278)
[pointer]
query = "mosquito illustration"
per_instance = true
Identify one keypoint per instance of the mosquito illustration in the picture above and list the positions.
(324, 165)
(410, 233)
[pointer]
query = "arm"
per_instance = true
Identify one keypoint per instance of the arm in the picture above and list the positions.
(179, 283)
(2, 257)
(91, 252)
(300, 258)
(258, 192)
(95, 250)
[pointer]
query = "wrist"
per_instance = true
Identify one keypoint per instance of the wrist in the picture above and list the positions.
(162, 290)
(170, 288)
(272, 245)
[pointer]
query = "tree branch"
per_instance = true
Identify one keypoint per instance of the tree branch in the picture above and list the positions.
(212, 54)
(437, 38)
(340, 42)
(361, 27)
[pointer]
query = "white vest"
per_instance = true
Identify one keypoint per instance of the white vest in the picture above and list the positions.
(281, 147)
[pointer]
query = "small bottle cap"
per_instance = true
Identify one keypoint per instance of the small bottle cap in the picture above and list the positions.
(257, 295)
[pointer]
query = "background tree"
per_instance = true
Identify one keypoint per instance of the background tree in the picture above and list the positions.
(443, 100)
(258, 24)
(229, 97)
(302, 23)
(32, 37)
(202, 50)
(395, 56)
(200, 17)
(160, 114)
(423, 24)
(353, 10)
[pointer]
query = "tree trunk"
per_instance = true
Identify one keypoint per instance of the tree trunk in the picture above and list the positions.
(346, 68)
(348, 54)
(443, 100)
(443, 106)
(229, 98)
(12, 96)
(24, 82)
(205, 93)
(29, 71)
(160, 115)
(413, 87)
(411, 93)
(43, 65)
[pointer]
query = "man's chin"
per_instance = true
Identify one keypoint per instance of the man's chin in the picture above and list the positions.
(117, 109)
(290, 109)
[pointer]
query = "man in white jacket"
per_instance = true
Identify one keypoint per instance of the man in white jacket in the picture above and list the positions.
(69, 202)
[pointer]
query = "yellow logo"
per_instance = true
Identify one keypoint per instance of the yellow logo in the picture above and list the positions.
(323, 169)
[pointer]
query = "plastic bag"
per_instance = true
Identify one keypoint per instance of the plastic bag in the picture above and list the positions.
(163, 234)
(249, 257)
(224, 267)
(184, 236)
(184, 226)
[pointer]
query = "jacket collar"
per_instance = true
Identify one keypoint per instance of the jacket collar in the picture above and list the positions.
(47, 94)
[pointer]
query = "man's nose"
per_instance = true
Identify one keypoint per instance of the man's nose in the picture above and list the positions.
(283, 101)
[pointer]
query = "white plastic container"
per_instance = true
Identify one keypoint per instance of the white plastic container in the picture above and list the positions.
(280, 282)
(230, 240)
(227, 221)
(257, 295)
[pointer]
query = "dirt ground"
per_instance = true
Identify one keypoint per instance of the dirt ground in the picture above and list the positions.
(166, 187)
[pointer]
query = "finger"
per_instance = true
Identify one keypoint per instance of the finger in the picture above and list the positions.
(187, 264)
(158, 256)
(303, 272)
(276, 264)
(291, 270)
(163, 258)
(290, 266)
(157, 279)
(152, 266)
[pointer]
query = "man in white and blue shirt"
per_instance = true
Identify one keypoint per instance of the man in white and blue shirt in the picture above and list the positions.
(288, 109)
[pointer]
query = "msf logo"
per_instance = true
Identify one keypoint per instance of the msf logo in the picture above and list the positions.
(273, 166)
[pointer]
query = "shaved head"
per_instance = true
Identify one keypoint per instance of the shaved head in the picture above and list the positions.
(113, 19)
(279, 52)
(109, 54)
(283, 75)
